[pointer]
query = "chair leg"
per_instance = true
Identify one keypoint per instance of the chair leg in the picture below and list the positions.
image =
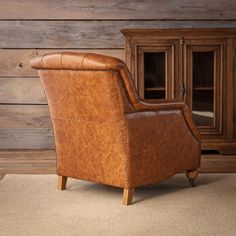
(62, 182)
(128, 195)
(192, 175)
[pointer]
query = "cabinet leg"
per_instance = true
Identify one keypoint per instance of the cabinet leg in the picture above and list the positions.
(128, 195)
(192, 175)
(62, 182)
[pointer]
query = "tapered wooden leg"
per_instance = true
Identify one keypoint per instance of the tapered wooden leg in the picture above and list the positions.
(192, 175)
(128, 195)
(62, 182)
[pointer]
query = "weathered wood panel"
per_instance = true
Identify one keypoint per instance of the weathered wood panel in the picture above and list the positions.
(118, 9)
(25, 116)
(234, 90)
(21, 90)
(15, 62)
(26, 138)
(218, 163)
(44, 161)
(84, 34)
(27, 161)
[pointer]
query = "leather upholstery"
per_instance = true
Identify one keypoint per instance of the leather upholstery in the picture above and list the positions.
(104, 132)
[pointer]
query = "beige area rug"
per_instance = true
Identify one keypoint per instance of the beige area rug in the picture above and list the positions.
(31, 205)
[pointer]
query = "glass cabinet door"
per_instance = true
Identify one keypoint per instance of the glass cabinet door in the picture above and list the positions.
(203, 79)
(155, 71)
(154, 75)
(203, 88)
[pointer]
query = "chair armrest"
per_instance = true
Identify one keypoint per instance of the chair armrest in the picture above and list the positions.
(160, 145)
(170, 105)
(161, 105)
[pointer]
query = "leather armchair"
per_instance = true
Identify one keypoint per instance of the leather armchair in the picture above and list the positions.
(104, 133)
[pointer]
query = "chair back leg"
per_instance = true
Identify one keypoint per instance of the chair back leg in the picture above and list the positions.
(192, 175)
(62, 182)
(128, 195)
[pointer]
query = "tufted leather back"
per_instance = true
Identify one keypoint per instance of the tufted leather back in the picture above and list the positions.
(84, 86)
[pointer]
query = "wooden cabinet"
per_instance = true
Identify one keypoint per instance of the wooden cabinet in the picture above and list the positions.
(197, 66)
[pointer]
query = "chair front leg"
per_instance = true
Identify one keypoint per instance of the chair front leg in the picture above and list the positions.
(128, 195)
(62, 182)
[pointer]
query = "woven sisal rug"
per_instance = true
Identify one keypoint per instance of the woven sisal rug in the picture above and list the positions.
(31, 205)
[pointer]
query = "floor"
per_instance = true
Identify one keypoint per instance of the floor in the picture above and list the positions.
(31, 205)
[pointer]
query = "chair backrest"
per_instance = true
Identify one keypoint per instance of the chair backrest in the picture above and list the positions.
(84, 86)
(88, 96)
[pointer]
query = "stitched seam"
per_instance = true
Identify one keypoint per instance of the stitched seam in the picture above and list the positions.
(41, 61)
(82, 69)
(152, 110)
(82, 64)
(124, 87)
(61, 64)
(87, 121)
(125, 133)
(52, 124)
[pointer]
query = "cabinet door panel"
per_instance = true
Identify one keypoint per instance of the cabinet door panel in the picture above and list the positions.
(203, 88)
(204, 67)
(154, 75)
(156, 71)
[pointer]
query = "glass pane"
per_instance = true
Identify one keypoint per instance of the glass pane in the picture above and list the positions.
(154, 75)
(203, 88)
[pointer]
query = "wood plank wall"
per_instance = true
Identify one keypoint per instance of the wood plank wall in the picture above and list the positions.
(30, 28)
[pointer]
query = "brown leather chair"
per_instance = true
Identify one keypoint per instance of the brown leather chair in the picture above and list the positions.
(104, 133)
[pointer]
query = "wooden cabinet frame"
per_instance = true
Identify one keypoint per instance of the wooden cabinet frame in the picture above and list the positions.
(218, 48)
(179, 45)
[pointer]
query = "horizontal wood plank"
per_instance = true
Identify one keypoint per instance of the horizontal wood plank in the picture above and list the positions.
(28, 90)
(218, 163)
(35, 138)
(44, 161)
(25, 116)
(117, 9)
(27, 161)
(15, 62)
(84, 34)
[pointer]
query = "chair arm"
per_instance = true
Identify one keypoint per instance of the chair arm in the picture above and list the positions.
(160, 145)
(170, 105)
(163, 104)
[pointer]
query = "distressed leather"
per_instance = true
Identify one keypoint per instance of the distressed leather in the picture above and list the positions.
(104, 132)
